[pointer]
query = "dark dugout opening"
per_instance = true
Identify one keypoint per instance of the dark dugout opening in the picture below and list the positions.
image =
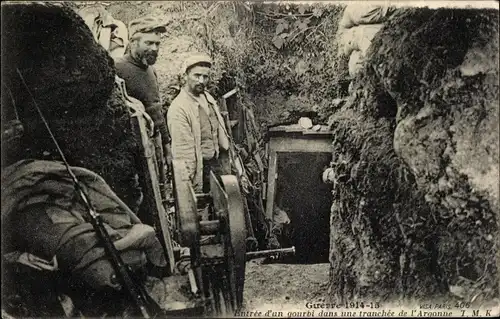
(301, 192)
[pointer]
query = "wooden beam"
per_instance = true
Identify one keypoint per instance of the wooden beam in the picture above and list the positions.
(230, 93)
(301, 145)
(151, 186)
(271, 183)
(233, 123)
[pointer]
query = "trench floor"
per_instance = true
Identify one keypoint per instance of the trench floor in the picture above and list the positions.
(280, 287)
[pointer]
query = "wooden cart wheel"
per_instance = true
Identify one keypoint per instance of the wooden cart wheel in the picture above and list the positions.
(185, 206)
(229, 206)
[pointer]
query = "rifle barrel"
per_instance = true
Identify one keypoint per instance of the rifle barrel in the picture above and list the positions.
(95, 219)
(270, 252)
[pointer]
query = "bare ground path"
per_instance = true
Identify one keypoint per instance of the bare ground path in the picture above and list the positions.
(279, 287)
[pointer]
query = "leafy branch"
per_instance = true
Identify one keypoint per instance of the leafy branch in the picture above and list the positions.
(292, 25)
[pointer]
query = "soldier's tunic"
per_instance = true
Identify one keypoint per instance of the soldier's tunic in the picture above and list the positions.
(195, 134)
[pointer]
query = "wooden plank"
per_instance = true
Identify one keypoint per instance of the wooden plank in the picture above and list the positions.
(241, 128)
(271, 184)
(152, 186)
(219, 197)
(230, 93)
(258, 160)
(297, 128)
(186, 206)
(328, 133)
(305, 145)
(145, 151)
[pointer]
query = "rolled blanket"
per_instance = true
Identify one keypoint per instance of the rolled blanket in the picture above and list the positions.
(42, 215)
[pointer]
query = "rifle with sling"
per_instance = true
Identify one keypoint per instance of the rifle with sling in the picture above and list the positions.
(145, 304)
(143, 301)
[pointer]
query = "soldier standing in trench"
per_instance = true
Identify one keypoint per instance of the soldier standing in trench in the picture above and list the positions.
(141, 81)
(136, 68)
(196, 124)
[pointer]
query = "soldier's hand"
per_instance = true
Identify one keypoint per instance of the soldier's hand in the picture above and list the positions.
(168, 154)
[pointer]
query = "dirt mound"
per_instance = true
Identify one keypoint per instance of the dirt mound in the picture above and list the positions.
(373, 254)
(417, 161)
(54, 59)
(72, 80)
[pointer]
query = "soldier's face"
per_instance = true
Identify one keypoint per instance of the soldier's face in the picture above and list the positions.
(146, 47)
(197, 79)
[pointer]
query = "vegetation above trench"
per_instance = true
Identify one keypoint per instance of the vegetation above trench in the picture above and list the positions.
(283, 57)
